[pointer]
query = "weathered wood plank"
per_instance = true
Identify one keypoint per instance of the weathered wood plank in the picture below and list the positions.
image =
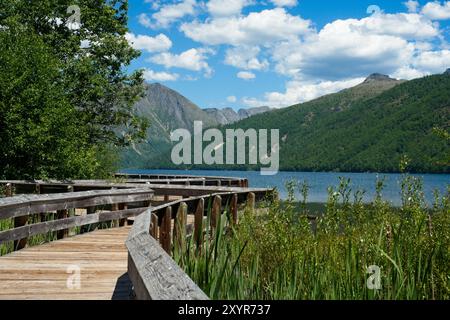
(234, 209)
(216, 211)
(179, 228)
(61, 215)
(198, 222)
(29, 204)
(164, 230)
(251, 200)
(123, 206)
(42, 272)
(154, 274)
(19, 242)
(193, 191)
(56, 225)
(8, 190)
(154, 226)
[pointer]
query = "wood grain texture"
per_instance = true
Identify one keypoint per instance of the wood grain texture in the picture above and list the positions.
(42, 272)
(216, 211)
(198, 222)
(154, 226)
(23, 205)
(154, 274)
(28, 230)
(165, 238)
(234, 208)
(179, 227)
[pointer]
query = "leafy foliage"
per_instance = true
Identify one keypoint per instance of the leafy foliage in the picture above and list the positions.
(280, 253)
(65, 96)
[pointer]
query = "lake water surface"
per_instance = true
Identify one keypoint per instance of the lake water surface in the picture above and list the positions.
(320, 181)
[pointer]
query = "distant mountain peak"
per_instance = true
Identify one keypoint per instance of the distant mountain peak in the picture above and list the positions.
(378, 77)
(447, 71)
(228, 115)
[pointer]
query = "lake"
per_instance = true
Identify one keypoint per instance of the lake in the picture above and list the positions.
(320, 181)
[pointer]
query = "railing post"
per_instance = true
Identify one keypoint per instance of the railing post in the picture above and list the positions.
(154, 226)
(87, 228)
(71, 213)
(115, 207)
(164, 231)
(216, 210)
(124, 221)
(198, 222)
(62, 214)
(251, 202)
(234, 208)
(42, 215)
(179, 228)
(20, 222)
(8, 190)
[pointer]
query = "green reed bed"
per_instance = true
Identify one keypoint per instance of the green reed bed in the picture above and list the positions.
(280, 253)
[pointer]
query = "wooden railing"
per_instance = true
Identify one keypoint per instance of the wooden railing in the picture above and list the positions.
(154, 274)
(206, 181)
(162, 187)
(157, 227)
(21, 207)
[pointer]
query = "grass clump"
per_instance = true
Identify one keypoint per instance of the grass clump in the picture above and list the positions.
(282, 253)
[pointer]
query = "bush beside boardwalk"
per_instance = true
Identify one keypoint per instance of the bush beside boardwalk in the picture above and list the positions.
(277, 254)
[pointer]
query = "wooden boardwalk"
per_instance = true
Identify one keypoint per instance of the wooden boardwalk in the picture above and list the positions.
(41, 272)
(103, 264)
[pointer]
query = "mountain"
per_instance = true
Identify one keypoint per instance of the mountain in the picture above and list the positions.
(228, 115)
(170, 109)
(378, 77)
(223, 116)
(166, 111)
(369, 127)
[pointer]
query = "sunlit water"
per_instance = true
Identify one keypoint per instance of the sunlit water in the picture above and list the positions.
(320, 181)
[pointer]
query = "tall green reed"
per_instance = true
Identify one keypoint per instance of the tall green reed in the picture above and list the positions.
(281, 253)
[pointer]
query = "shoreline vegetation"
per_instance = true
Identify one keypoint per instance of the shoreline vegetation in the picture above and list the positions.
(297, 250)
(281, 252)
(233, 168)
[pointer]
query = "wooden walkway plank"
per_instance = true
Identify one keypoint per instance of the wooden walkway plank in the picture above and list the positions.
(43, 272)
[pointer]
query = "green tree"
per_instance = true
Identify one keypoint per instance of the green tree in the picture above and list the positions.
(66, 98)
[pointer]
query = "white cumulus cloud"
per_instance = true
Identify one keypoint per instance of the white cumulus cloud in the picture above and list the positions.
(223, 8)
(355, 47)
(298, 91)
(151, 75)
(436, 10)
(232, 99)
(255, 29)
(170, 13)
(151, 44)
(430, 62)
(285, 3)
(412, 5)
(145, 20)
(245, 57)
(192, 59)
(245, 75)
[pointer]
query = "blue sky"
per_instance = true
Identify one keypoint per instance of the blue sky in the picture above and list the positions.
(248, 53)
